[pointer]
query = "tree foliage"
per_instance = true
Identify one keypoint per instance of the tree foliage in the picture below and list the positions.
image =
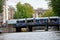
(55, 4)
(48, 13)
(1, 5)
(23, 11)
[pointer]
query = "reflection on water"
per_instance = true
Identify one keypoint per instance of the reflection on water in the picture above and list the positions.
(32, 36)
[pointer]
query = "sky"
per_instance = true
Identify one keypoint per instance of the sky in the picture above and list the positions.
(35, 3)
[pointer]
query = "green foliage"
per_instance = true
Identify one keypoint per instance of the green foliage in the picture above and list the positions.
(1, 5)
(55, 4)
(23, 11)
(48, 13)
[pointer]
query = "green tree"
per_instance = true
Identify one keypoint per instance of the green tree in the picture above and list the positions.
(1, 5)
(23, 11)
(55, 4)
(48, 13)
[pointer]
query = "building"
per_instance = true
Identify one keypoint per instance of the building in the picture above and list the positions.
(7, 14)
(39, 12)
(11, 11)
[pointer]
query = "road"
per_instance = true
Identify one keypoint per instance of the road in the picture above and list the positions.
(53, 35)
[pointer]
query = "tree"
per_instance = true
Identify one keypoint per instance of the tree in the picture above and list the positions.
(55, 4)
(1, 5)
(23, 11)
(48, 13)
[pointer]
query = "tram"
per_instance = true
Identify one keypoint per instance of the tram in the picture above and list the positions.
(53, 21)
(38, 21)
(35, 21)
(20, 23)
(32, 22)
(41, 21)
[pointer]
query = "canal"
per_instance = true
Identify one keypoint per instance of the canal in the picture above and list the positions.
(45, 35)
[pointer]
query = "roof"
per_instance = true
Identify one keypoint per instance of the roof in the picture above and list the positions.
(30, 18)
(21, 19)
(54, 17)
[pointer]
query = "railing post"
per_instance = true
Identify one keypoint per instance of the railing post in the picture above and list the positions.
(57, 27)
(46, 28)
(18, 29)
(59, 23)
(30, 28)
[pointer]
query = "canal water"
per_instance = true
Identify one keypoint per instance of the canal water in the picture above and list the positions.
(53, 35)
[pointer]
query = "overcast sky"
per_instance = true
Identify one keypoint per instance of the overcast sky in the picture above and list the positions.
(35, 3)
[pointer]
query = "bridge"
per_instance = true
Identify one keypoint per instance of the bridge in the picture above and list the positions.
(33, 22)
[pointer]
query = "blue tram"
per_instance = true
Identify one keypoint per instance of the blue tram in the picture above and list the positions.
(30, 22)
(41, 21)
(53, 21)
(20, 22)
(38, 21)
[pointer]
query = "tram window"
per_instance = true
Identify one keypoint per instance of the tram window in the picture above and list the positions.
(22, 21)
(53, 20)
(43, 20)
(17, 21)
(37, 21)
(29, 21)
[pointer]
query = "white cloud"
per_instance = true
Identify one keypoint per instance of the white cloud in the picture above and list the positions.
(34, 3)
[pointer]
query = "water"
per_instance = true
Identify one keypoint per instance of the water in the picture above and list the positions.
(32, 36)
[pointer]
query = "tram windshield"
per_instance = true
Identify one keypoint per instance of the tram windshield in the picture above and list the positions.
(54, 20)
